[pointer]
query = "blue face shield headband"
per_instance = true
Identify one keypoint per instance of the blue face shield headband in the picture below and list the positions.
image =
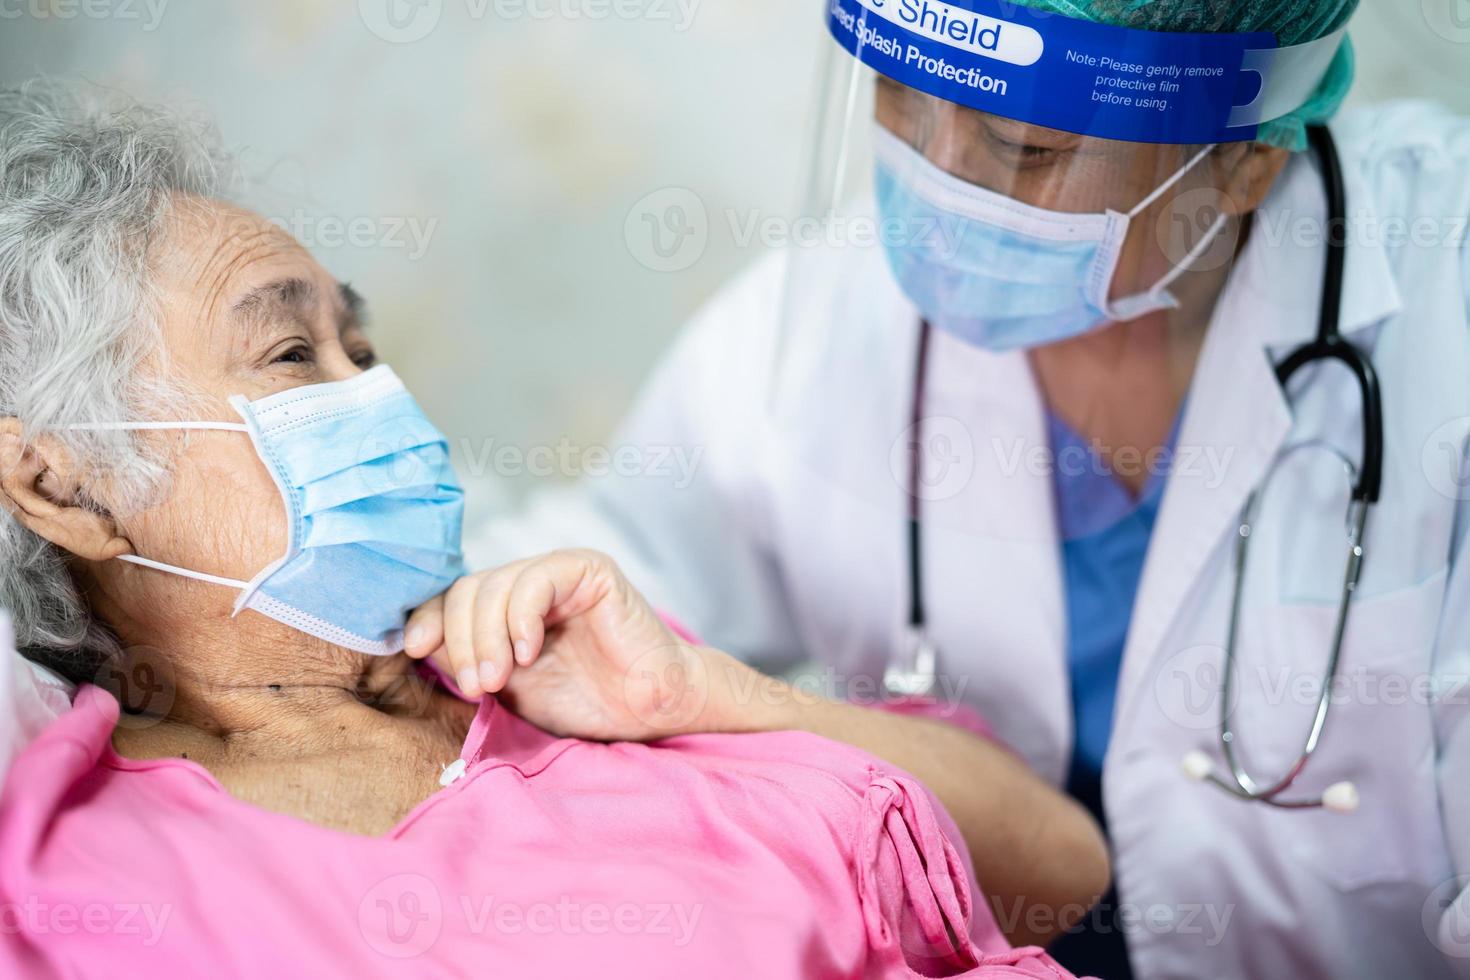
(1009, 275)
(373, 508)
(1083, 77)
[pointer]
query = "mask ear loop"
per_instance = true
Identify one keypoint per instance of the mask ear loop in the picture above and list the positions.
(1156, 296)
(155, 426)
(233, 583)
(1179, 175)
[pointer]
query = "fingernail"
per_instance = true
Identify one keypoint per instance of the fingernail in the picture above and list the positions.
(487, 674)
(523, 651)
(414, 637)
(467, 680)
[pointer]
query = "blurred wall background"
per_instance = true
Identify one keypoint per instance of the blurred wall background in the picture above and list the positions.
(491, 173)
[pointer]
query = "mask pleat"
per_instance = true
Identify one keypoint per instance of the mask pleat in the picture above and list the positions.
(379, 509)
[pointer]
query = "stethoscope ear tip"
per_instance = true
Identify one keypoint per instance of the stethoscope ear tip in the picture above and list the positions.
(1341, 798)
(1196, 765)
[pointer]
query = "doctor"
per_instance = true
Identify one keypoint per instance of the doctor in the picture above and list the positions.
(1089, 414)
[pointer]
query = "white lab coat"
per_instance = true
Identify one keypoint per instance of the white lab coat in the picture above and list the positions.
(767, 560)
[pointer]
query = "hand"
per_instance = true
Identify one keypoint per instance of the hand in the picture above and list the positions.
(570, 645)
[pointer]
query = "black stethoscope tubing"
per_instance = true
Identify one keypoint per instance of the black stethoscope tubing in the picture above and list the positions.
(1327, 345)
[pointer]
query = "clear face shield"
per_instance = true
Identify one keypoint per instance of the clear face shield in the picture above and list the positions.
(992, 179)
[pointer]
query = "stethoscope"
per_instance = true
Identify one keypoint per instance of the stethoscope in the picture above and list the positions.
(913, 673)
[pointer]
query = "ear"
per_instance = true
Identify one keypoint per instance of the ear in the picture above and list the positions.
(1250, 171)
(38, 486)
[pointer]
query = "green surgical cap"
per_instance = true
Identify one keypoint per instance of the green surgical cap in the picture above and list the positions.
(1292, 21)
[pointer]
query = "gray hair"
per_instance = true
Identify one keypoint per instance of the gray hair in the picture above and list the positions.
(86, 180)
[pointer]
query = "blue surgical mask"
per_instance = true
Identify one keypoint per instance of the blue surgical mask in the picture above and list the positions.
(1005, 275)
(373, 509)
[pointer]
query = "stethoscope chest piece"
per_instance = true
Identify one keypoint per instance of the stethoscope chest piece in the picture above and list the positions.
(1340, 797)
(914, 676)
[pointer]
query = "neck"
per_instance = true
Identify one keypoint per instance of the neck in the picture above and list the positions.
(251, 678)
(1122, 387)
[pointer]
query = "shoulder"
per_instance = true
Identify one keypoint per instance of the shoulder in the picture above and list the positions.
(1414, 156)
(732, 337)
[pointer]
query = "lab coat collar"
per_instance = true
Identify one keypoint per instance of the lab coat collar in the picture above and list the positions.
(1235, 421)
(1285, 257)
(1237, 416)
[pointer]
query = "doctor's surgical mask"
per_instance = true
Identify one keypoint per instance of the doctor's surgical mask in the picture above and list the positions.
(373, 508)
(1022, 276)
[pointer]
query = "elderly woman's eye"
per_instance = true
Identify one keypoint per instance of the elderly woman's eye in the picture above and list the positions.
(301, 354)
(364, 359)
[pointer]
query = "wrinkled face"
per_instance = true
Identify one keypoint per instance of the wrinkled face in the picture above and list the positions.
(245, 311)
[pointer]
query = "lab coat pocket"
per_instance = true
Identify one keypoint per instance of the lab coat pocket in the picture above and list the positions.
(1378, 733)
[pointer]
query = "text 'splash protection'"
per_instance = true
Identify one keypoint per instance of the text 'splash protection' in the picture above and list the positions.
(1082, 77)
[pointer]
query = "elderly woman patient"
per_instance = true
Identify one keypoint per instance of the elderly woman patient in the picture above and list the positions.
(216, 499)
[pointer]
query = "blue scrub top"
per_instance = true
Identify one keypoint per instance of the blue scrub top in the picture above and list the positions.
(1104, 535)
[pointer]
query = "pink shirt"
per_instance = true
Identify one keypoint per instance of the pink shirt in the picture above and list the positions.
(780, 855)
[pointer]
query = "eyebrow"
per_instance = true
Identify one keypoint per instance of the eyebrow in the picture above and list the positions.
(296, 299)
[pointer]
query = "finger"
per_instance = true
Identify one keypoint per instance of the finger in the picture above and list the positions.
(492, 643)
(536, 592)
(424, 632)
(440, 659)
(459, 638)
